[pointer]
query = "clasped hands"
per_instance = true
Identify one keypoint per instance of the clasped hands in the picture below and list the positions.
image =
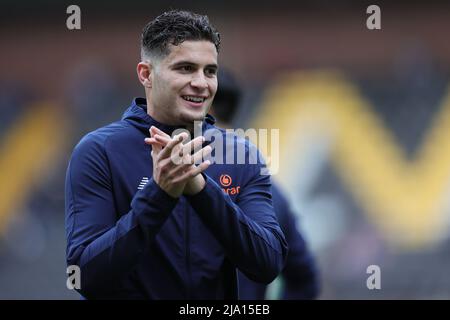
(174, 168)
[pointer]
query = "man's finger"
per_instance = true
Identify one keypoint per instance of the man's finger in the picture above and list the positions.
(156, 148)
(172, 143)
(195, 170)
(179, 170)
(162, 140)
(193, 145)
(155, 130)
(152, 141)
(201, 154)
(155, 144)
(186, 159)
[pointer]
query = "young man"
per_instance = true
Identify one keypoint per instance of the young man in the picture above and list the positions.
(143, 226)
(300, 278)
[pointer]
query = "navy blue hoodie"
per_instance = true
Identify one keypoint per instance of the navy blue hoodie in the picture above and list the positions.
(132, 240)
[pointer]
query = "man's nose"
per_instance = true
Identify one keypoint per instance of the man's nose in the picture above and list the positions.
(199, 81)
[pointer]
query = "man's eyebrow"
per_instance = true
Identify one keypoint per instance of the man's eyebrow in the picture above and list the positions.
(213, 65)
(189, 63)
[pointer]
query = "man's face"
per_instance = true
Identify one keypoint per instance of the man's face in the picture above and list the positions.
(184, 83)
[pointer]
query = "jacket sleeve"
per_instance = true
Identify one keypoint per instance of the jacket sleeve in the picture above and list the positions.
(247, 229)
(104, 246)
(300, 274)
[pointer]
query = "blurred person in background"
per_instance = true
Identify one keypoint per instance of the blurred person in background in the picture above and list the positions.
(300, 275)
(142, 226)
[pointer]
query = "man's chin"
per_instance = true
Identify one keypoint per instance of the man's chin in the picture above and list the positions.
(189, 119)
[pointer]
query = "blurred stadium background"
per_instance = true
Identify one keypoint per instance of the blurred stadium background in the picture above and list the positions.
(364, 119)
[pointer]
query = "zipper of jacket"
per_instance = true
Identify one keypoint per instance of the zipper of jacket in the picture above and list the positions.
(188, 252)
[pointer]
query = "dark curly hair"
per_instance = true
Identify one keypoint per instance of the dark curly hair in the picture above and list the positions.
(175, 27)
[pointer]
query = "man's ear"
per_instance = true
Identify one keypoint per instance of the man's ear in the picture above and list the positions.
(144, 71)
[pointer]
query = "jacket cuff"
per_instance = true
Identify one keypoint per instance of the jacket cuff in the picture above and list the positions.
(211, 189)
(152, 195)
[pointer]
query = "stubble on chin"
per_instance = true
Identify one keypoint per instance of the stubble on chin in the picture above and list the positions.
(189, 120)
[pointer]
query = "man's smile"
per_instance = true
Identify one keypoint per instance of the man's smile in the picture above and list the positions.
(194, 100)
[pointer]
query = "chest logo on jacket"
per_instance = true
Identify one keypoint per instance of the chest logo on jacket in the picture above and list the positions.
(225, 181)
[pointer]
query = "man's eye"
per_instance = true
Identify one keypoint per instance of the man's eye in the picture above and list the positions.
(211, 72)
(186, 68)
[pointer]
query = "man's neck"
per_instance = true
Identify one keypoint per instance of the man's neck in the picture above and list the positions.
(155, 116)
